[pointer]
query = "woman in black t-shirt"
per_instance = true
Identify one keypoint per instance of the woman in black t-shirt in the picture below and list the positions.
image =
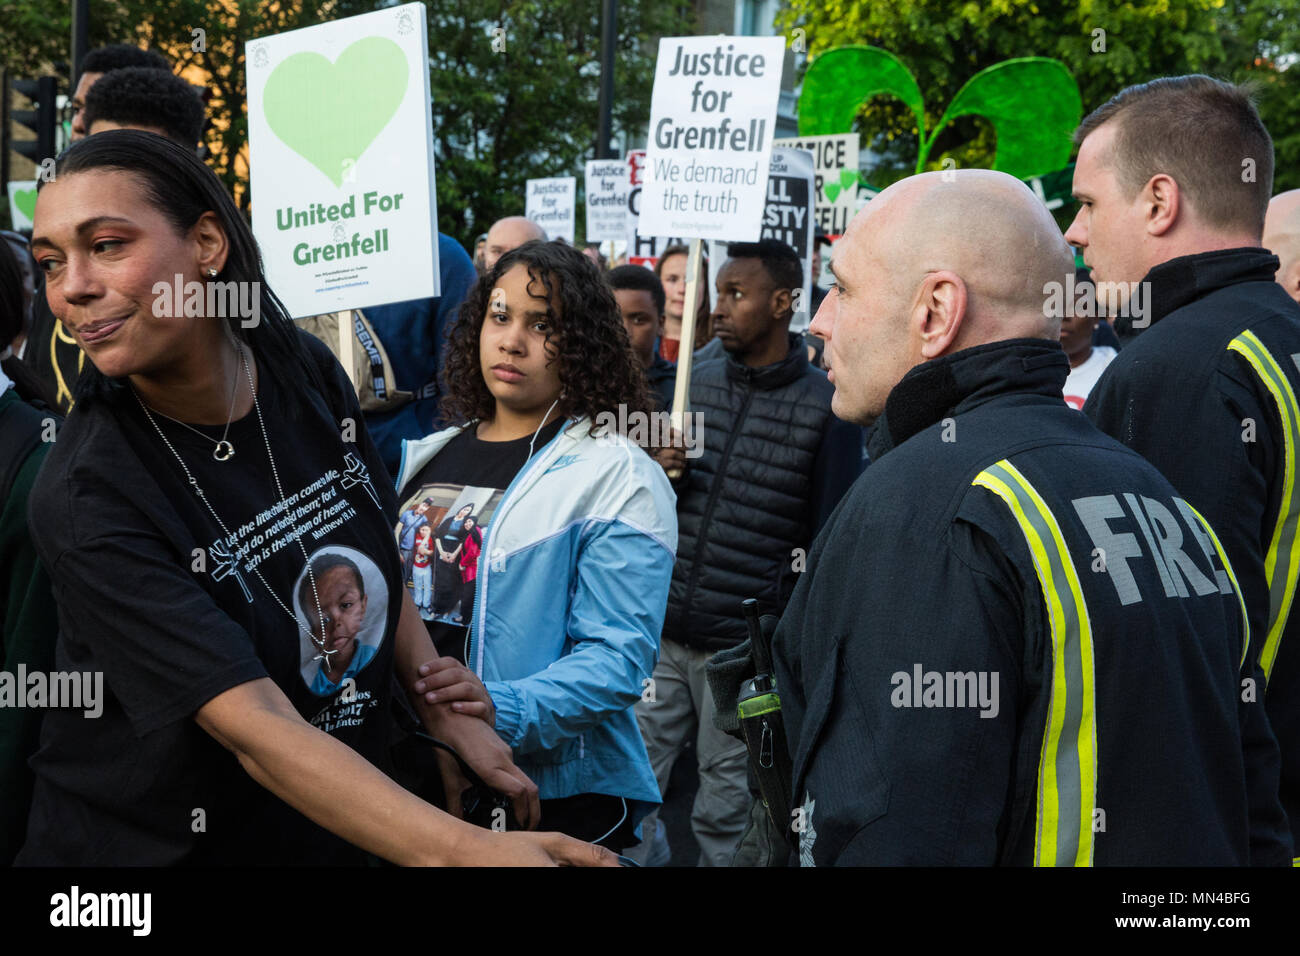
(199, 484)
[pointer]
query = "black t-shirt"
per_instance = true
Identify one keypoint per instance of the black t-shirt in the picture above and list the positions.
(173, 611)
(464, 481)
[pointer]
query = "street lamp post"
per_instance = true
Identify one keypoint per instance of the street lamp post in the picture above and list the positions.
(608, 35)
(80, 34)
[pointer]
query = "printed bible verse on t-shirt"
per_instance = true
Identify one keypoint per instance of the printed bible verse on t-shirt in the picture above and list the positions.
(314, 510)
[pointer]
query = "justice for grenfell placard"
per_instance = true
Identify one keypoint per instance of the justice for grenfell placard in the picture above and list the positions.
(607, 189)
(341, 161)
(549, 203)
(712, 119)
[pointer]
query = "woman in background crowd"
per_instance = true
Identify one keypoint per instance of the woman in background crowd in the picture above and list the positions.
(671, 270)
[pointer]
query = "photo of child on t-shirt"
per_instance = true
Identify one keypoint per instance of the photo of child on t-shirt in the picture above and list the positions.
(344, 601)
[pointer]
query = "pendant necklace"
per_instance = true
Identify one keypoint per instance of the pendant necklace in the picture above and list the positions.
(324, 654)
(224, 450)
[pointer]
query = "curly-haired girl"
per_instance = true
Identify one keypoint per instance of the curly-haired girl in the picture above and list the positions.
(573, 575)
(583, 346)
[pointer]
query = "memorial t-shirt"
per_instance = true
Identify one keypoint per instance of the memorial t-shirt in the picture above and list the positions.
(172, 610)
(464, 482)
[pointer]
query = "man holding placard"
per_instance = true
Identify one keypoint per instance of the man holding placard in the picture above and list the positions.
(746, 502)
(774, 464)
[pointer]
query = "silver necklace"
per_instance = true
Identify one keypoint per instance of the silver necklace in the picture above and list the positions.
(324, 654)
(224, 450)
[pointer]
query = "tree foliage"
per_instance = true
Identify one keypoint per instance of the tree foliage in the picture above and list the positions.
(530, 110)
(1106, 44)
(500, 116)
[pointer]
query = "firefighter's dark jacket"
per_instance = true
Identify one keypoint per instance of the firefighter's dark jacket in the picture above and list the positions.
(999, 536)
(1208, 394)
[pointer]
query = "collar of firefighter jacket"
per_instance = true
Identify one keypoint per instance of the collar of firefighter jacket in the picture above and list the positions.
(952, 384)
(778, 373)
(1176, 283)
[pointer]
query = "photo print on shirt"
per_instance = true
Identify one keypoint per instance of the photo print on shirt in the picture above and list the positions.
(440, 534)
(354, 598)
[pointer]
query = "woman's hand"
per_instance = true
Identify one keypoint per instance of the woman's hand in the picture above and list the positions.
(485, 752)
(475, 741)
(534, 849)
(446, 680)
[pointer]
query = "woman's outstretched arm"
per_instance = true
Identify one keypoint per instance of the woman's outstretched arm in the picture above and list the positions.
(331, 784)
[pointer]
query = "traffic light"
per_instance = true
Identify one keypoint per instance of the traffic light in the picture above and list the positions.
(42, 120)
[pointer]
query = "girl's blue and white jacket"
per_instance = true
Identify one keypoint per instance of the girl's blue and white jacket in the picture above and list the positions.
(571, 590)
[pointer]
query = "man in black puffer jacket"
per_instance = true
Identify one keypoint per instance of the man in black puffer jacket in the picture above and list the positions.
(774, 461)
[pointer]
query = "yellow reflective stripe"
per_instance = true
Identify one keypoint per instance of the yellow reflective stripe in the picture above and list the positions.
(1236, 588)
(1067, 769)
(1283, 546)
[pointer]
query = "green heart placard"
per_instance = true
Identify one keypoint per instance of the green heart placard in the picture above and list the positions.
(329, 113)
(25, 200)
(848, 179)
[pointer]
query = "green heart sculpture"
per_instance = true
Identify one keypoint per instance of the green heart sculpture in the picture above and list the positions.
(25, 200)
(1032, 102)
(329, 113)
